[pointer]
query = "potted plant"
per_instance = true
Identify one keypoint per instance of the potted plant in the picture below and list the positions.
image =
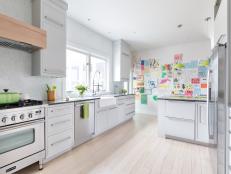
(51, 93)
(81, 89)
(124, 91)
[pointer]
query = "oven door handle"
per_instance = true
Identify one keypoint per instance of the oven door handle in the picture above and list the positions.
(20, 125)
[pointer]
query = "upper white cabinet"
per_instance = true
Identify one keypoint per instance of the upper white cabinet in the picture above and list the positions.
(220, 24)
(50, 15)
(122, 61)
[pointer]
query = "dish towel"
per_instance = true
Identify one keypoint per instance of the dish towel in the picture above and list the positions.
(85, 110)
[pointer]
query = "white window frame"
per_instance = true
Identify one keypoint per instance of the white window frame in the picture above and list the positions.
(89, 55)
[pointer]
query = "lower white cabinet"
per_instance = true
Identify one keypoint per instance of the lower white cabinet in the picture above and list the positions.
(109, 117)
(184, 120)
(180, 128)
(201, 124)
(59, 129)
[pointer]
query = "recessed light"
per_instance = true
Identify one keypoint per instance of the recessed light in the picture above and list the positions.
(89, 19)
(134, 32)
(179, 26)
(109, 32)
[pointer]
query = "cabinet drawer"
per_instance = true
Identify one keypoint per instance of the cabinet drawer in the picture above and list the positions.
(60, 110)
(179, 128)
(59, 143)
(59, 124)
(178, 109)
(130, 108)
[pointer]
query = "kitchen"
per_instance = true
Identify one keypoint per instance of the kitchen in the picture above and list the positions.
(100, 117)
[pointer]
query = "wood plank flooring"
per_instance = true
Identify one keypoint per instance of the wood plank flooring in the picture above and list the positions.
(131, 148)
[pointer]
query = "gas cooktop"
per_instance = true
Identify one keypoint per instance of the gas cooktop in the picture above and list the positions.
(21, 103)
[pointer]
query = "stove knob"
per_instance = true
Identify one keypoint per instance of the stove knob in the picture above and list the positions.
(4, 119)
(13, 118)
(21, 116)
(30, 115)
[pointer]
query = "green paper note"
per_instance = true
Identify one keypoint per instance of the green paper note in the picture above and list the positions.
(141, 90)
(155, 98)
(144, 99)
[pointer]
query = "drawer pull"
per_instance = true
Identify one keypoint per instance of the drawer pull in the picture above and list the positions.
(130, 104)
(59, 122)
(182, 119)
(130, 113)
(60, 141)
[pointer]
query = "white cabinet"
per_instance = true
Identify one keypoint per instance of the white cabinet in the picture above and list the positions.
(179, 127)
(220, 23)
(122, 61)
(183, 120)
(179, 119)
(202, 134)
(109, 117)
(59, 129)
(50, 15)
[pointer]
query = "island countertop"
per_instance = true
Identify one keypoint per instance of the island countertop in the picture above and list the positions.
(183, 98)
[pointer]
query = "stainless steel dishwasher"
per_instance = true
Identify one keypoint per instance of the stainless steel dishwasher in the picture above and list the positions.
(84, 128)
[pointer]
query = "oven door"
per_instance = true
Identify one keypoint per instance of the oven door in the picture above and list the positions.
(18, 142)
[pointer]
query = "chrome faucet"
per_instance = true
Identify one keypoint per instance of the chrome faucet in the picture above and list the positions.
(97, 85)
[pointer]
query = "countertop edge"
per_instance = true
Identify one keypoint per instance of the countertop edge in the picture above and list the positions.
(79, 100)
(187, 100)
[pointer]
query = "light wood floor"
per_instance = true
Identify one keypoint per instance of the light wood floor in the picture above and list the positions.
(132, 148)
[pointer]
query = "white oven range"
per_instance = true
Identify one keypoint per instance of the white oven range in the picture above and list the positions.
(21, 138)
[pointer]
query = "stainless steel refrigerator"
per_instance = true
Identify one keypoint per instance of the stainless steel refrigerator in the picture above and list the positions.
(218, 106)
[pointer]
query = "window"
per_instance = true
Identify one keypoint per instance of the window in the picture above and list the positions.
(77, 71)
(85, 69)
(98, 74)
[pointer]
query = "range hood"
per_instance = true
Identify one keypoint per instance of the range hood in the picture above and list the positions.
(20, 35)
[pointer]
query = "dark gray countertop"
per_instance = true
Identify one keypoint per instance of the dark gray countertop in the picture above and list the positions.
(79, 99)
(182, 98)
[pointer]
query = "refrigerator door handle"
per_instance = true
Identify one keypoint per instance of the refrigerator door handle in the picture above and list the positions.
(210, 112)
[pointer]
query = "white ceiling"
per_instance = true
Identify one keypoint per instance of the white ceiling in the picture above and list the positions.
(144, 24)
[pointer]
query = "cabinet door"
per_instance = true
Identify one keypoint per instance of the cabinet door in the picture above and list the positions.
(54, 56)
(220, 24)
(125, 67)
(202, 134)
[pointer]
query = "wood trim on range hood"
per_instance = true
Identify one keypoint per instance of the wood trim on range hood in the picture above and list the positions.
(18, 34)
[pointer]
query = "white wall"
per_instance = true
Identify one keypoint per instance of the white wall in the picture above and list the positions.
(85, 39)
(15, 66)
(191, 51)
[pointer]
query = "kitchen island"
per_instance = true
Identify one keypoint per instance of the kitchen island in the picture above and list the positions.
(183, 118)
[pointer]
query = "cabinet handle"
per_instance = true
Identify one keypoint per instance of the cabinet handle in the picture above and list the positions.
(182, 119)
(200, 121)
(130, 104)
(60, 141)
(53, 21)
(130, 113)
(54, 71)
(59, 122)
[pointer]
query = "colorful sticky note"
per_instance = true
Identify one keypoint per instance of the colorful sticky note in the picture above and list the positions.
(195, 81)
(204, 85)
(144, 99)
